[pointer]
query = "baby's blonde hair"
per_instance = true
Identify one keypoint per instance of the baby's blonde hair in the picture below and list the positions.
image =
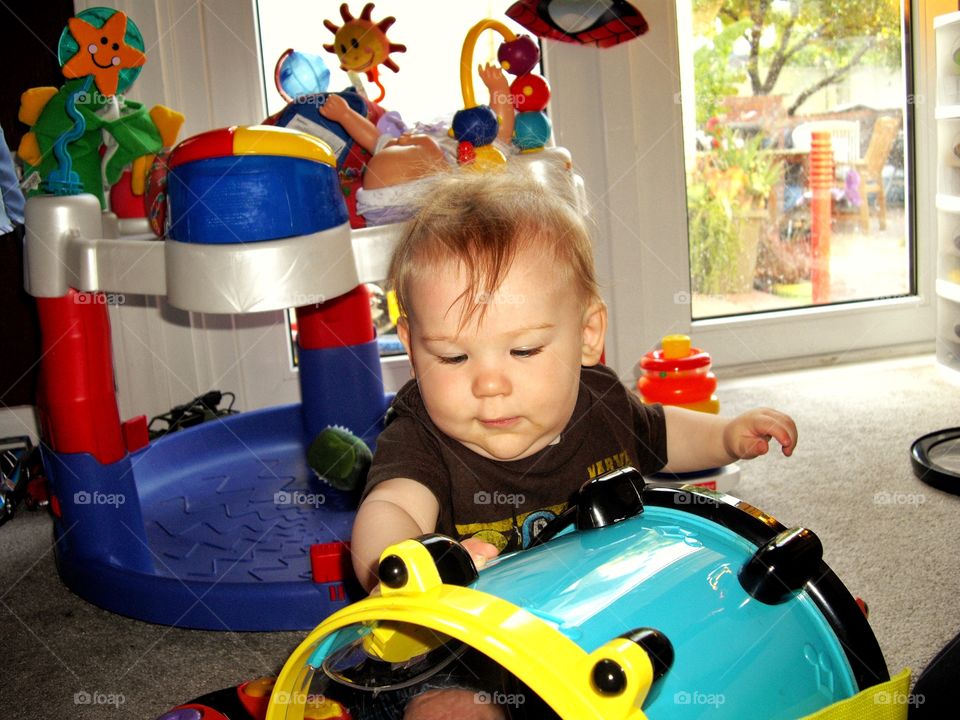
(479, 222)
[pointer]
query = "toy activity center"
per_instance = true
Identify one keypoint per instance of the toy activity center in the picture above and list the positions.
(222, 525)
(242, 522)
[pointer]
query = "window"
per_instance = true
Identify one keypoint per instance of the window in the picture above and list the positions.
(427, 85)
(622, 114)
(797, 172)
(426, 88)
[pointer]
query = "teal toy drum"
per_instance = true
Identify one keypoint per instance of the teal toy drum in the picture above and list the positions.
(638, 602)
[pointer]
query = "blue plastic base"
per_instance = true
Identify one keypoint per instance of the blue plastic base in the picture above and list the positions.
(209, 527)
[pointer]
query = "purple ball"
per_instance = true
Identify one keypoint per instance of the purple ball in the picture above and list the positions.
(520, 56)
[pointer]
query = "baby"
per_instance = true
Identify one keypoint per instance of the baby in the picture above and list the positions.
(395, 176)
(504, 326)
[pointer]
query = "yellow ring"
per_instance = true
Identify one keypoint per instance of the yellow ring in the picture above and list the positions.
(466, 55)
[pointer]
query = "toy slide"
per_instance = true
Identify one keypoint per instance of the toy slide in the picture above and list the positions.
(222, 525)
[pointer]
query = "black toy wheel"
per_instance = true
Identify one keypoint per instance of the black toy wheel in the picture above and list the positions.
(936, 459)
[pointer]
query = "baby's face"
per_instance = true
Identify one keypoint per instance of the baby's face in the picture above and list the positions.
(504, 386)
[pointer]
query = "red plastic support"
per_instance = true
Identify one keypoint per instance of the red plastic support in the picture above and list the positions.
(327, 561)
(340, 322)
(135, 433)
(77, 401)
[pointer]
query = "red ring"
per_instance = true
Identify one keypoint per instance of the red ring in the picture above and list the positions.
(655, 361)
(678, 391)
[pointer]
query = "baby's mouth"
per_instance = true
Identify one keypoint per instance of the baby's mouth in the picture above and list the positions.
(500, 422)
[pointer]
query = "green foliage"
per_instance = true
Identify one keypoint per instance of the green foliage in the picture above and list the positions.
(833, 35)
(715, 77)
(758, 169)
(714, 245)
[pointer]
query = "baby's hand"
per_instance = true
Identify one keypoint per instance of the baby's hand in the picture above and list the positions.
(748, 435)
(480, 551)
(493, 78)
(335, 108)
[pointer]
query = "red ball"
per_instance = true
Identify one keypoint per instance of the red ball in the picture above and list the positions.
(530, 93)
(122, 200)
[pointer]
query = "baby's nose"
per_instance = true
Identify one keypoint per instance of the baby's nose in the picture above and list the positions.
(490, 382)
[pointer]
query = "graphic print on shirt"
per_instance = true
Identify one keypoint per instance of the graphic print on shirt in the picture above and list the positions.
(517, 530)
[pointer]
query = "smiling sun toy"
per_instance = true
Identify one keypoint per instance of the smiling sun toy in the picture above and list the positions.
(362, 45)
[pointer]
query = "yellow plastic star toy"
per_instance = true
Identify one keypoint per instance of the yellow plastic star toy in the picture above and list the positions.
(103, 52)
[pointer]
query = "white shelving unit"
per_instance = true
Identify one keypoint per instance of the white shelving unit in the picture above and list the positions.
(947, 28)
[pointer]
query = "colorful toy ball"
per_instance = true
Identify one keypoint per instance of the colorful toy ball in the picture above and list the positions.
(529, 93)
(300, 74)
(476, 125)
(531, 130)
(519, 56)
(155, 194)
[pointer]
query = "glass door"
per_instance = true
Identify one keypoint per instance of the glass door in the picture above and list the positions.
(797, 166)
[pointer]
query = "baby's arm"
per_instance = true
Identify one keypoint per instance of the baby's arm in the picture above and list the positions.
(698, 440)
(357, 126)
(499, 88)
(395, 510)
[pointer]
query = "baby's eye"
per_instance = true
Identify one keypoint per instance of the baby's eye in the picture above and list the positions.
(451, 359)
(526, 352)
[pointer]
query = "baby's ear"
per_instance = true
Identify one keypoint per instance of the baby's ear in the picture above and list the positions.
(594, 331)
(403, 332)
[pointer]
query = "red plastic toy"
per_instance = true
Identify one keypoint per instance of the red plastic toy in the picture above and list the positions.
(679, 374)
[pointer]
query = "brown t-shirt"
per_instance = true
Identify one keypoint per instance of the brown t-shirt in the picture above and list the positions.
(506, 503)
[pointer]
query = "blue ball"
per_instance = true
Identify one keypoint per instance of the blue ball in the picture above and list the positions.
(304, 74)
(531, 130)
(476, 125)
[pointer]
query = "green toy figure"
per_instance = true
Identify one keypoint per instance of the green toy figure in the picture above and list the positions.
(101, 54)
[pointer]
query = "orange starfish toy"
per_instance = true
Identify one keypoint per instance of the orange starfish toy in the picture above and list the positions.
(103, 52)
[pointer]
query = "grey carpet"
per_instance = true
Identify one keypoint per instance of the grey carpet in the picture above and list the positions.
(889, 537)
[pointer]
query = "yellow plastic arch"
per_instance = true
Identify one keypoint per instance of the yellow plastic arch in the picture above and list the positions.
(466, 55)
(552, 665)
(272, 140)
